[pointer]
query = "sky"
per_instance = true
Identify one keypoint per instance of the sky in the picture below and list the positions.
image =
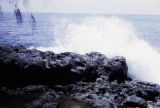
(91, 6)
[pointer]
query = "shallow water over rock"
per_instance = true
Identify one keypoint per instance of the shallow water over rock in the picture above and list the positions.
(67, 102)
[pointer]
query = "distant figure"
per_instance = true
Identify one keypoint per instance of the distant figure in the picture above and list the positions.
(33, 18)
(18, 14)
(33, 22)
(1, 13)
(17, 11)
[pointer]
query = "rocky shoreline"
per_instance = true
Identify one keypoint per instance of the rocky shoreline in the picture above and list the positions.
(35, 79)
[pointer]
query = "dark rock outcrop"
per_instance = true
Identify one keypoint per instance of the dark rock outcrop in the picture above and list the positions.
(47, 100)
(99, 94)
(134, 101)
(86, 81)
(21, 66)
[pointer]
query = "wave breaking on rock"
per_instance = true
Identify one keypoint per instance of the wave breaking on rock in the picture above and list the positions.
(87, 81)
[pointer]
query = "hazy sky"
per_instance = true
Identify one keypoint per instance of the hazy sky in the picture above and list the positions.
(93, 6)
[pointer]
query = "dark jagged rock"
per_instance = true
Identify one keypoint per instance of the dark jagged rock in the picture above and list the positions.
(157, 103)
(89, 81)
(105, 94)
(99, 94)
(134, 101)
(19, 97)
(118, 69)
(22, 66)
(48, 100)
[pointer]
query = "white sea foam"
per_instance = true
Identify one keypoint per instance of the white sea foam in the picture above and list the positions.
(111, 36)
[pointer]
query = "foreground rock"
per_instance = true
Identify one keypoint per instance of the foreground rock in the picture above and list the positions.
(34, 79)
(99, 94)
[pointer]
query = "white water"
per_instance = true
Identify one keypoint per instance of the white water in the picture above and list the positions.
(113, 37)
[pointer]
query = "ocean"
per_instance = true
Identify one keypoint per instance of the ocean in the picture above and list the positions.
(43, 34)
(136, 37)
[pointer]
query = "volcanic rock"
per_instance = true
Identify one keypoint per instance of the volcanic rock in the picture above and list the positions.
(35, 79)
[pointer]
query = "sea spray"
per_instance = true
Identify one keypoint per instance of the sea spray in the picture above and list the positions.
(111, 36)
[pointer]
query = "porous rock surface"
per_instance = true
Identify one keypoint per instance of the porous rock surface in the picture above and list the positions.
(35, 79)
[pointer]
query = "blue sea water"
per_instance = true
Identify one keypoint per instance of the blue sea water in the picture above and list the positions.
(25, 33)
(42, 34)
(136, 37)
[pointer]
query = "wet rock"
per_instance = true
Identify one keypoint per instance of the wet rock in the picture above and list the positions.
(91, 79)
(112, 94)
(100, 101)
(134, 101)
(33, 88)
(48, 100)
(18, 97)
(99, 94)
(36, 67)
(118, 69)
(157, 102)
(148, 91)
(68, 102)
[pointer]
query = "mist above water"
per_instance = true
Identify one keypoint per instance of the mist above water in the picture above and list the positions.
(111, 36)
